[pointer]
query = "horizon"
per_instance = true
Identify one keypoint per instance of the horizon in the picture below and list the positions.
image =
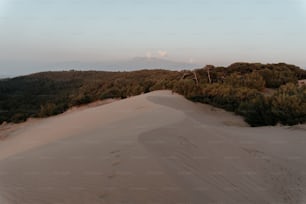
(118, 66)
(66, 67)
(36, 35)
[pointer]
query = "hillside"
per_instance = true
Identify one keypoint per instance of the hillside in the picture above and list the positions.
(239, 88)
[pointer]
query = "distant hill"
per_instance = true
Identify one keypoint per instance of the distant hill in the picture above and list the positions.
(136, 63)
(12, 69)
(156, 63)
(5, 76)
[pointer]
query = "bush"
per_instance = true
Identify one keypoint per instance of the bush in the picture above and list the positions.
(257, 112)
(288, 104)
(251, 80)
(48, 109)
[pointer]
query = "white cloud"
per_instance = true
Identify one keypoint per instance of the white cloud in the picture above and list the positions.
(149, 55)
(158, 53)
(162, 53)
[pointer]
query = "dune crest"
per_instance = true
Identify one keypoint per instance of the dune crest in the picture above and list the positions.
(156, 147)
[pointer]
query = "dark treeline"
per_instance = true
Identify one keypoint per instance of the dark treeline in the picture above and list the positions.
(50, 93)
(262, 94)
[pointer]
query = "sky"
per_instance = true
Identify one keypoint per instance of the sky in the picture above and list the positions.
(35, 33)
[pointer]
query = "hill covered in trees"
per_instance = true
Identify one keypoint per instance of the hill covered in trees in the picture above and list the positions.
(264, 94)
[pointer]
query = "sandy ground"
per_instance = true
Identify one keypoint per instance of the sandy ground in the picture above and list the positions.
(154, 148)
(8, 129)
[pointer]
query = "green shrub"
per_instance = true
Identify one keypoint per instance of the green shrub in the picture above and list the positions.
(288, 104)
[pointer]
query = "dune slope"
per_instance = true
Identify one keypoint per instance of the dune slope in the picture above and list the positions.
(153, 148)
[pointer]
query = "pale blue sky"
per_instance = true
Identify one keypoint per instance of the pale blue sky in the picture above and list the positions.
(219, 32)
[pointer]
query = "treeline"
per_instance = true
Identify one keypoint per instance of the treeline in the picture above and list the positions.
(240, 88)
(50, 93)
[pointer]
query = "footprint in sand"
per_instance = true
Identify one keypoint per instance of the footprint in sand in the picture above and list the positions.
(103, 196)
(116, 154)
(113, 175)
(115, 151)
(115, 163)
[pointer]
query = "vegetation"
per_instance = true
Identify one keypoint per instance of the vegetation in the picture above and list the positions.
(51, 93)
(239, 88)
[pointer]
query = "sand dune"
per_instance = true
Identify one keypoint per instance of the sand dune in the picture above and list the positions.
(153, 148)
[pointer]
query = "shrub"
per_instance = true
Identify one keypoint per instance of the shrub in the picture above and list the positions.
(288, 104)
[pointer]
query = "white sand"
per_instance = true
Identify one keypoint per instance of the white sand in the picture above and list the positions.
(153, 148)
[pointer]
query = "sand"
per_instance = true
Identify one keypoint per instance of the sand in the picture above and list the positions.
(153, 148)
